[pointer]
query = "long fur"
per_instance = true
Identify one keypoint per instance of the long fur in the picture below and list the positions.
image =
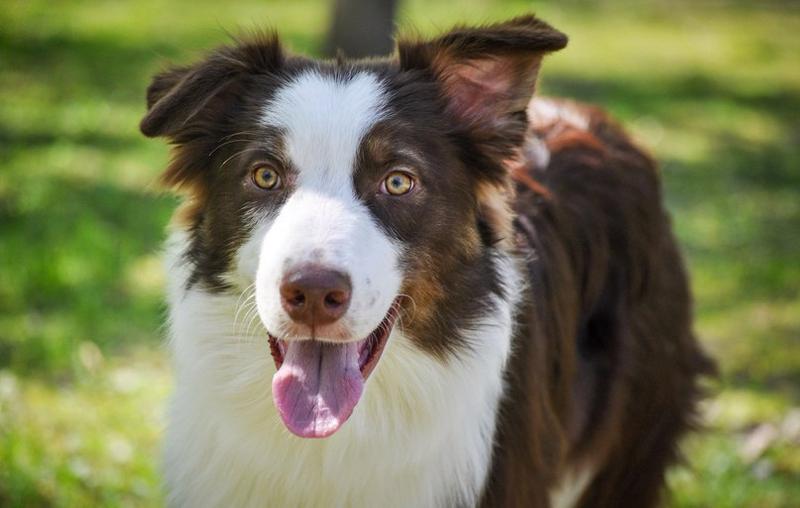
(544, 353)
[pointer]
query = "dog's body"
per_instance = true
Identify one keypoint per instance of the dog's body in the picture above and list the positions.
(531, 335)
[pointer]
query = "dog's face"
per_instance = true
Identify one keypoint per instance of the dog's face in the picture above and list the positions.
(353, 197)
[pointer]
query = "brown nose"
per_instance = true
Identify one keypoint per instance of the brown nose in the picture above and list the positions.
(314, 295)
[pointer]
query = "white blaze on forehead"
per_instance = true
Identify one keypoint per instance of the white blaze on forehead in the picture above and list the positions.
(324, 119)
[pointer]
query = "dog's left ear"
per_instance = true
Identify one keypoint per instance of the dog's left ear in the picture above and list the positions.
(487, 76)
(487, 73)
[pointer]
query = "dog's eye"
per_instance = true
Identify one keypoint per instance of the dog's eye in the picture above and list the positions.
(266, 177)
(397, 183)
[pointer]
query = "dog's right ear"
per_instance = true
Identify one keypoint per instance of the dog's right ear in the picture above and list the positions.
(177, 97)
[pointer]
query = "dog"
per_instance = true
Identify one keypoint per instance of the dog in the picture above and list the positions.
(404, 282)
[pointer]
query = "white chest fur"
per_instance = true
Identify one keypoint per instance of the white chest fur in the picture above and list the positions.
(421, 435)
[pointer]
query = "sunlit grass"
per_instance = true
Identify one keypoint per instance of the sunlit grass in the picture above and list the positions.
(713, 89)
(91, 442)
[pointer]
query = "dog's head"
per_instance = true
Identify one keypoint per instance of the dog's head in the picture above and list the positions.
(349, 194)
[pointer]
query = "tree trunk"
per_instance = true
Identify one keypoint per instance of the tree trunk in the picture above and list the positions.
(362, 28)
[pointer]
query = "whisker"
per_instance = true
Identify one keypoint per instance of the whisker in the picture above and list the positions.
(241, 152)
(253, 324)
(411, 299)
(248, 316)
(246, 294)
(219, 146)
(248, 308)
(240, 133)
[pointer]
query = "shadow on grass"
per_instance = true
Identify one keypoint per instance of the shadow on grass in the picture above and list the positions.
(72, 269)
(24, 141)
(103, 67)
(97, 66)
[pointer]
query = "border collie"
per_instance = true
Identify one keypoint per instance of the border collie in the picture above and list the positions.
(402, 282)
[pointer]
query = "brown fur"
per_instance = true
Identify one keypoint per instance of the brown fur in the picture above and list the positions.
(605, 367)
(604, 269)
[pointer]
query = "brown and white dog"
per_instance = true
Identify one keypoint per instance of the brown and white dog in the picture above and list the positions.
(474, 298)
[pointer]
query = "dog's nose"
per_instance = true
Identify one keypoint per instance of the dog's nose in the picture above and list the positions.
(315, 295)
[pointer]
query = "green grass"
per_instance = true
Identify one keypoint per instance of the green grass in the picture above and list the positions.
(712, 88)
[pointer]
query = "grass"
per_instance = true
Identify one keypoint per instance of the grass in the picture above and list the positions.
(713, 88)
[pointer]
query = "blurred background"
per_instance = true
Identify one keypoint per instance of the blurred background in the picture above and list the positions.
(712, 87)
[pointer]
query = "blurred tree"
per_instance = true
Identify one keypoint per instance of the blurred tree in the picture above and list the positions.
(361, 27)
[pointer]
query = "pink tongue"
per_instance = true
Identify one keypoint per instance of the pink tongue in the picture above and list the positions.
(317, 386)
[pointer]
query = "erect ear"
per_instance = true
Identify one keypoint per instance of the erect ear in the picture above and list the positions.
(178, 96)
(487, 73)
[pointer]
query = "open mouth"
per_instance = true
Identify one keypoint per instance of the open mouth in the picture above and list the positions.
(318, 384)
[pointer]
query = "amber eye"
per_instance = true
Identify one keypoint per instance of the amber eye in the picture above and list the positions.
(266, 177)
(397, 183)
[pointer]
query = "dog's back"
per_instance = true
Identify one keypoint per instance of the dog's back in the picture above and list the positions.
(606, 363)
